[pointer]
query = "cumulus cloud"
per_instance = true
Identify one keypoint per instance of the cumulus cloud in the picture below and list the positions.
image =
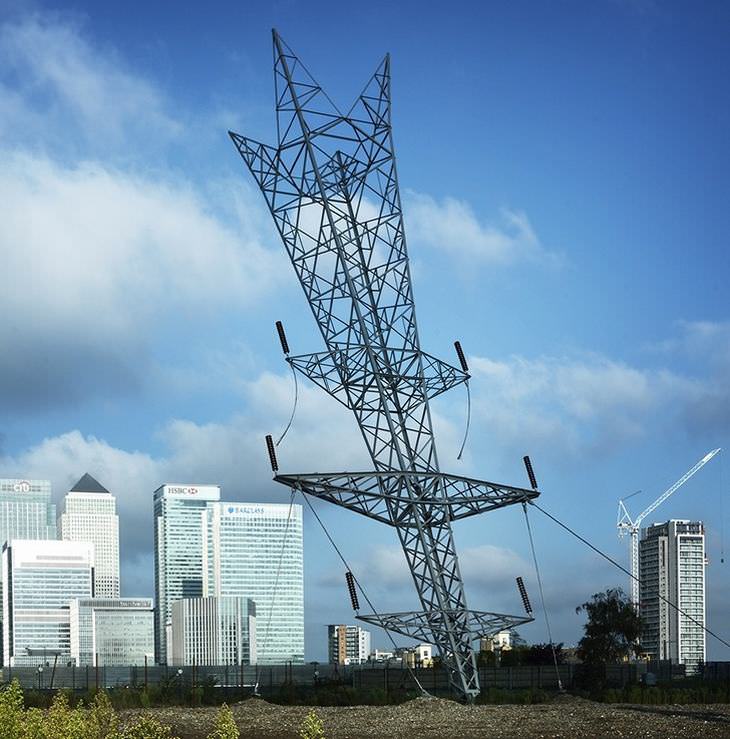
(573, 404)
(69, 84)
(230, 453)
(98, 258)
(483, 567)
(452, 226)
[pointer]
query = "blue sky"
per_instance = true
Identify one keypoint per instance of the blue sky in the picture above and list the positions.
(565, 173)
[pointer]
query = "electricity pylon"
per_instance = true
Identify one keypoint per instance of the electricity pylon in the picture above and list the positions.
(331, 186)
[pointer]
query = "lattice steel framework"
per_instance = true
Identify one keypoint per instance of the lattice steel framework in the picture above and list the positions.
(331, 187)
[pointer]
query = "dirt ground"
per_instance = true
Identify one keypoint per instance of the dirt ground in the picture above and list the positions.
(566, 716)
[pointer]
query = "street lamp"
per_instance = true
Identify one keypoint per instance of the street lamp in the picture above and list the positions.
(179, 684)
(40, 675)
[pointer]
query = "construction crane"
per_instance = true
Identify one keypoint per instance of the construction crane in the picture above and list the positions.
(627, 525)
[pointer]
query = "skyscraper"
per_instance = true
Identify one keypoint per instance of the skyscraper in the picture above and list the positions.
(672, 566)
(251, 550)
(26, 512)
(90, 515)
(179, 520)
(40, 578)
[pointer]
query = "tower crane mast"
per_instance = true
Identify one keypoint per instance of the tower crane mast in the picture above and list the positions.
(627, 525)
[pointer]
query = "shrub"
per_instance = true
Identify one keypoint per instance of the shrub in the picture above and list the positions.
(147, 727)
(11, 710)
(102, 722)
(225, 725)
(64, 722)
(34, 724)
(312, 727)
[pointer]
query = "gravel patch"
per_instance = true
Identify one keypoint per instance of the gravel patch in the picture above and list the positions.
(432, 718)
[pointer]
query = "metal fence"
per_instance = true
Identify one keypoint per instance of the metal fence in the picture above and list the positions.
(243, 680)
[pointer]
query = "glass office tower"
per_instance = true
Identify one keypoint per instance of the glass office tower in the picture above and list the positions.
(179, 520)
(40, 579)
(90, 514)
(26, 512)
(246, 545)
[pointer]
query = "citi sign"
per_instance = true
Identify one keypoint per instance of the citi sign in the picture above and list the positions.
(22, 486)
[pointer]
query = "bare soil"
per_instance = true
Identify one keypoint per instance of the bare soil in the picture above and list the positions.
(432, 718)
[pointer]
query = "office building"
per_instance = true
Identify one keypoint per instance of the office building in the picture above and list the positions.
(179, 522)
(112, 631)
(347, 645)
(213, 631)
(254, 550)
(90, 515)
(40, 579)
(26, 511)
(672, 565)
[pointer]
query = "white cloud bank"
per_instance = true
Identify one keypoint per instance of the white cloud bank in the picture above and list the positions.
(70, 87)
(450, 225)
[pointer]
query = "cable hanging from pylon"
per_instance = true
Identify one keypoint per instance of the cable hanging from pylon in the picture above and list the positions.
(465, 367)
(523, 591)
(353, 582)
(285, 348)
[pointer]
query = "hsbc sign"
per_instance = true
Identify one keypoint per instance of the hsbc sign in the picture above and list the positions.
(182, 491)
(199, 492)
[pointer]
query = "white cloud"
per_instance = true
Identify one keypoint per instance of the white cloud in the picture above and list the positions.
(66, 80)
(452, 226)
(573, 404)
(230, 453)
(484, 566)
(99, 258)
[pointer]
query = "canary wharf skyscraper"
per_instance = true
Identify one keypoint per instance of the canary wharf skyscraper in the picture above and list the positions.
(91, 515)
(254, 550)
(26, 512)
(179, 518)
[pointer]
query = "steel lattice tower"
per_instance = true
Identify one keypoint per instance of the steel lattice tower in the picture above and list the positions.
(331, 186)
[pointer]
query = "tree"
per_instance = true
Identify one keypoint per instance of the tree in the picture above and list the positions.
(542, 654)
(612, 630)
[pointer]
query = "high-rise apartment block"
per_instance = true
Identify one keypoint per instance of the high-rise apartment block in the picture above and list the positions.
(347, 645)
(112, 631)
(90, 515)
(179, 521)
(213, 631)
(40, 578)
(672, 567)
(255, 550)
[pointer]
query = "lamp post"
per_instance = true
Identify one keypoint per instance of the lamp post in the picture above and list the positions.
(40, 675)
(179, 684)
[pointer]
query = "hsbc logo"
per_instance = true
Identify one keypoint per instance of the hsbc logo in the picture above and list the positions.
(182, 491)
